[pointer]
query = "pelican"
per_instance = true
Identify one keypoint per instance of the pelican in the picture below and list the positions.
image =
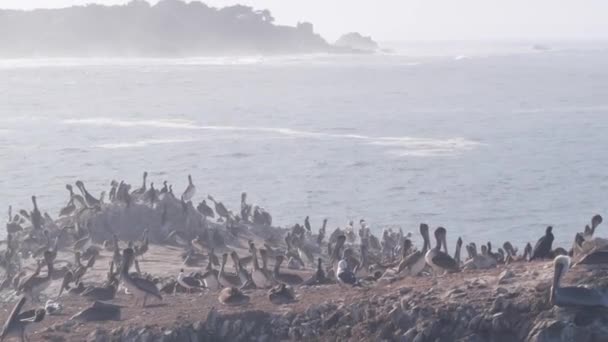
(573, 295)
(89, 199)
(190, 190)
(321, 235)
(288, 278)
(542, 249)
(32, 286)
(318, 277)
(104, 292)
(281, 294)
(232, 296)
(70, 207)
(228, 279)
(210, 278)
(440, 261)
(457, 252)
(141, 288)
(113, 189)
(188, 282)
(151, 195)
(17, 321)
(220, 209)
(416, 262)
(35, 216)
(205, 209)
(595, 221)
(141, 191)
(260, 278)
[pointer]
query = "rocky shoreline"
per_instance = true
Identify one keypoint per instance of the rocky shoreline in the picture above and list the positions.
(484, 305)
(504, 303)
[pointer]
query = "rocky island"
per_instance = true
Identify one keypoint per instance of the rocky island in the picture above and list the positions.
(357, 42)
(100, 255)
(170, 28)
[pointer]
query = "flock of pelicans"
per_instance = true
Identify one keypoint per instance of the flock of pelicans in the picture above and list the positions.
(352, 257)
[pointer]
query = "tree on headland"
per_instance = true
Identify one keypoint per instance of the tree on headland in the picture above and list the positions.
(168, 28)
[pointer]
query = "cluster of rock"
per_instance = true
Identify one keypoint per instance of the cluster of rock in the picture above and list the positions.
(474, 312)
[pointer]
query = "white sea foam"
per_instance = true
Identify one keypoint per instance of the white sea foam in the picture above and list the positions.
(408, 146)
(143, 143)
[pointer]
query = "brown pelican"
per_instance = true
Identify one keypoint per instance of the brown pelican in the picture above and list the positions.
(441, 261)
(17, 321)
(70, 207)
(595, 221)
(98, 311)
(83, 242)
(104, 292)
(113, 189)
(35, 216)
(321, 235)
(213, 258)
(34, 285)
(139, 287)
(240, 270)
(45, 247)
(573, 295)
(141, 191)
(318, 277)
(457, 252)
(220, 209)
(205, 210)
(416, 262)
(228, 279)
(89, 199)
(542, 250)
(307, 225)
(142, 248)
(190, 190)
(188, 282)
(281, 294)
(261, 278)
(151, 195)
(288, 278)
(232, 296)
(210, 278)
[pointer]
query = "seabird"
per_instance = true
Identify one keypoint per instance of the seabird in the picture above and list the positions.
(188, 282)
(573, 295)
(416, 262)
(210, 278)
(190, 190)
(281, 294)
(34, 285)
(205, 209)
(70, 207)
(220, 209)
(139, 287)
(288, 278)
(141, 191)
(232, 296)
(441, 261)
(542, 249)
(228, 279)
(35, 216)
(260, 278)
(89, 199)
(17, 321)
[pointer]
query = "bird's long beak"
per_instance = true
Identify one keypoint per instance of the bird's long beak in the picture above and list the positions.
(445, 244)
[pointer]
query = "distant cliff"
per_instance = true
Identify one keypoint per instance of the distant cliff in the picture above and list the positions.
(171, 28)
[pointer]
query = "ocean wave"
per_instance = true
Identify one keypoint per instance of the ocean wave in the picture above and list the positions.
(407, 146)
(598, 108)
(143, 143)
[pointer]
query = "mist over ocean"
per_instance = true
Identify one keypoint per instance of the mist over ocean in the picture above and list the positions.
(492, 143)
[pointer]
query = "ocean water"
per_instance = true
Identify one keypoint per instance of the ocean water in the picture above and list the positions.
(492, 146)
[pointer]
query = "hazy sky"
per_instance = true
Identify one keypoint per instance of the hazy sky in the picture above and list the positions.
(421, 19)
